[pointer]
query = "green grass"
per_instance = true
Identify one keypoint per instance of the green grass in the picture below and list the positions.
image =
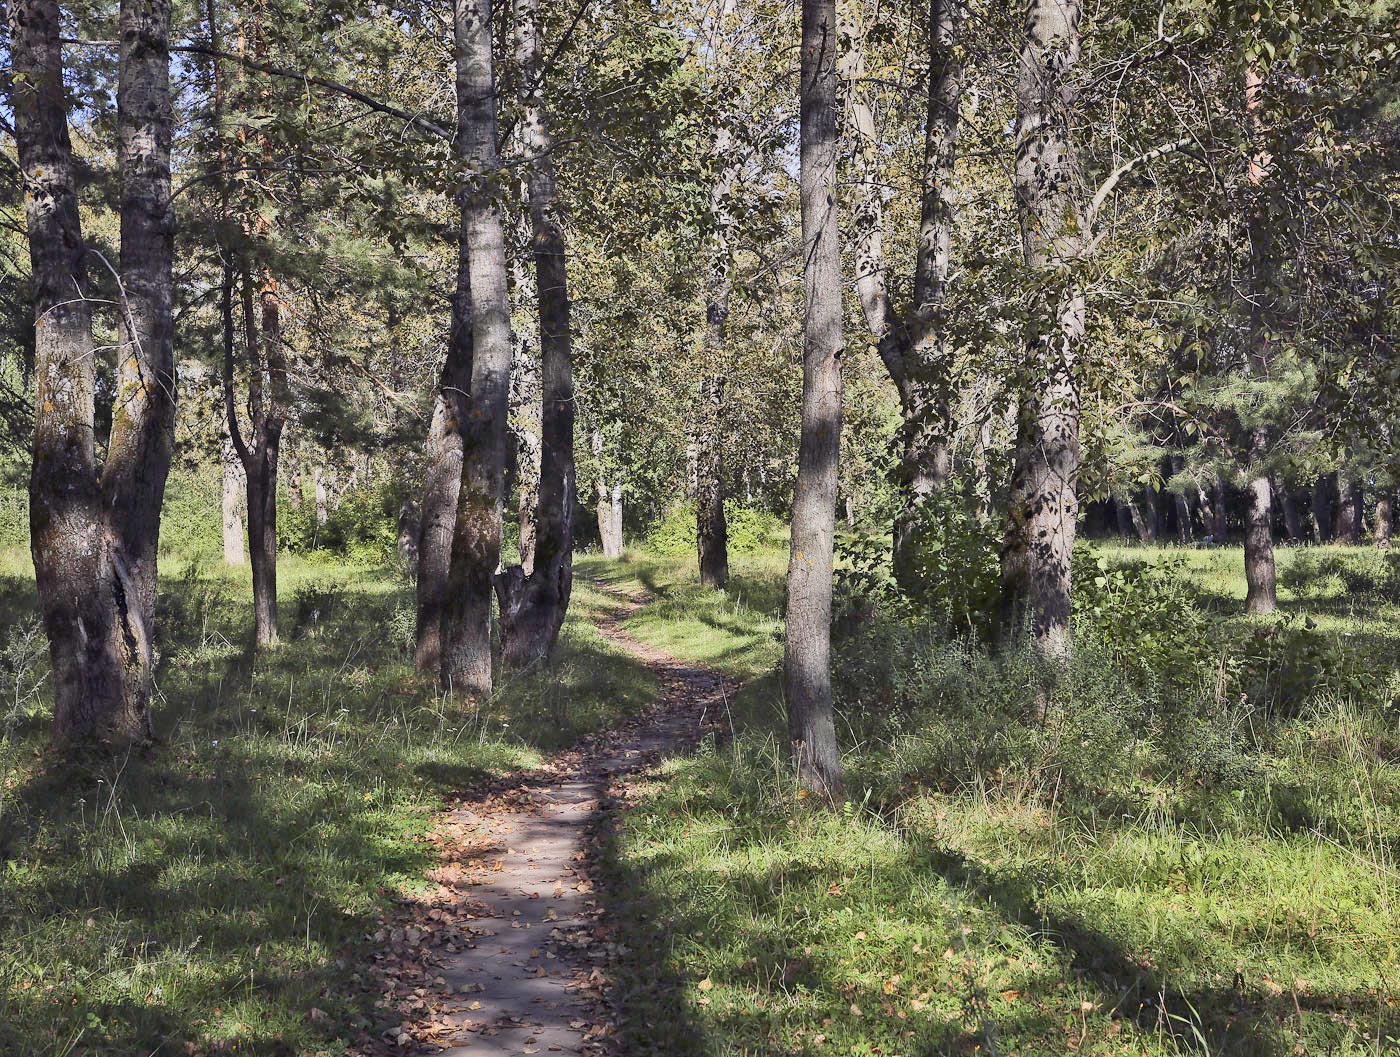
(1152, 871)
(1088, 886)
(208, 895)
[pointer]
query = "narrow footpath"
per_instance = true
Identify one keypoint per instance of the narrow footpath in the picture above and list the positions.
(509, 953)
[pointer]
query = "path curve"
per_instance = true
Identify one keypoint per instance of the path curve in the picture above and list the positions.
(506, 956)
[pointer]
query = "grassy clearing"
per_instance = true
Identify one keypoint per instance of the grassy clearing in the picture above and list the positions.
(209, 897)
(1152, 871)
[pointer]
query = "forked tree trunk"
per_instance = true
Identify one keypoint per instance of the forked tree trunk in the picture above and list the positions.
(476, 539)
(443, 479)
(534, 601)
(95, 540)
(807, 653)
(913, 345)
(233, 492)
(1044, 503)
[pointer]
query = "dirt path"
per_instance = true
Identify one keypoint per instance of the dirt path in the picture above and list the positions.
(508, 954)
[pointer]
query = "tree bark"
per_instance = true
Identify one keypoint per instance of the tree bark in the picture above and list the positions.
(409, 530)
(1044, 502)
(443, 480)
(95, 539)
(712, 531)
(476, 539)
(1262, 596)
(1349, 509)
(1292, 519)
(807, 653)
(323, 502)
(1219, 517)
(232, 504)
(534, 601)
(1324, 507)
(1383, 523)
(913, 345)
(609, 501)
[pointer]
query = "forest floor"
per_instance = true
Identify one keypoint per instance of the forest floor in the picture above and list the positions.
(1086, 886)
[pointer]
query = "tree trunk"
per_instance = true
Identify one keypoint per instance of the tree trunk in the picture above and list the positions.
(1044, 502)
(609, 502)
(95, 540)
(712, 531)
(534, 601)
(1262, 596)
(409, 530)
(1152, 518)
(807, 654)
(262, 546)
(1292, 520)
(1324, 508)
(443, 480)
(234, 492)
(1349, 509)
(1219, 518)
(1383, 524)
(323, 502)
(913, 345)
(476, 540)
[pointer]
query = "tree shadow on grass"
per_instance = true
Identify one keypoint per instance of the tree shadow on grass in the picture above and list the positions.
(1235, 1020)
(216, 891)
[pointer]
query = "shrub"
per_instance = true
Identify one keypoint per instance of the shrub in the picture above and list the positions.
(955, 570)
(674, 535)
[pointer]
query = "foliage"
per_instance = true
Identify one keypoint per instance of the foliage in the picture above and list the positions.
(954, 570)
(674, 535)
(362, 525)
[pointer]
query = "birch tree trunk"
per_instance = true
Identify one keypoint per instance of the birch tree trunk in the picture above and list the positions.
(807, 653)
(443, 480)
(95, 539)
(233, 491)
(535, 601)
(476, 539)
(1044, 504)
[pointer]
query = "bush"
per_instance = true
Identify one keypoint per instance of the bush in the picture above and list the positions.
(674, 535)
(955, 571)
(362, 527)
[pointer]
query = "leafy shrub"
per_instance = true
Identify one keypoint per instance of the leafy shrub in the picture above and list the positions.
(674, 535)
(955, 576)
(1144, 617)
(14, 517)
(191, 520)
(362, 527)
